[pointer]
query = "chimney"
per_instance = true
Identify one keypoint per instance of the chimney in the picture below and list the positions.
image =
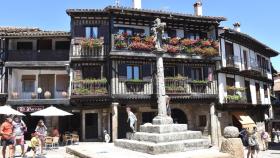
(198, 8)
(237, 26)
(136, 4)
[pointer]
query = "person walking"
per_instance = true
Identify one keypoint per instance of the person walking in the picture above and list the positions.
(131, 118)
(273, 134)
(278, 135)
(265, 137)
(41, 130)
(19, 129)
(252, 142)
(6, 130)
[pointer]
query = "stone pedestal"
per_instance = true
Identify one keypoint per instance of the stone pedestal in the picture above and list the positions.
(232, 144)
(159, 139)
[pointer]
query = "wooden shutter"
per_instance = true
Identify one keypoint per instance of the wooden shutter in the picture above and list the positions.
(188, 72)
(79, 31)
(122, 72)
(205, 73)
(147, 72)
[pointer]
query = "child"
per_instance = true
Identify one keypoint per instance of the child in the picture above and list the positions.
(35, 141)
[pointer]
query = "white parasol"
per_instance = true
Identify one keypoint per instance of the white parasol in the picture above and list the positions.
(51, 111)
(7, 110)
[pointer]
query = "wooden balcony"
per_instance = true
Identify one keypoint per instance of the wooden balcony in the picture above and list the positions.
(32, 98)
(186, 88)
(81, 51)
(37, 55)
(88, 88)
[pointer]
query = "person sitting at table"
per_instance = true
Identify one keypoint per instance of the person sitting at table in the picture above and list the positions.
(55, 132)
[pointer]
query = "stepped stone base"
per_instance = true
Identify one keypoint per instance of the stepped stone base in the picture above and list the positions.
(161, 148)
(159, 139)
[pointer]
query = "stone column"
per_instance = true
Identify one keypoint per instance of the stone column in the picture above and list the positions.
(114, 121)
(162, 117)
(214, 126)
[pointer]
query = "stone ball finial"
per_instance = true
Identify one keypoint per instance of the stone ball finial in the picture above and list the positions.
(231, 132)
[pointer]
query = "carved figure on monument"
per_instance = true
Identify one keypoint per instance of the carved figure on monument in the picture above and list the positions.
(158, 30)
(131, 118)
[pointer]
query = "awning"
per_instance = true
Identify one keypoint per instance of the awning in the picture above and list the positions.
(245, 120)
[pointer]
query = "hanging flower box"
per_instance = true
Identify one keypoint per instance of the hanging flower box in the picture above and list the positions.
(92, 42)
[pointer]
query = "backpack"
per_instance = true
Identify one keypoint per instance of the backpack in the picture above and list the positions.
(252, 141)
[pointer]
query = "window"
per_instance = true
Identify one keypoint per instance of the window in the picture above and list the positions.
(28, 83)
(62, 45)
(265, 91)
(133, 72)
(170, 71)
(229, 50)
(128, 31)
(258, 94)
(44, 44)
(61, 83)
(91, 72)
(91, 32)
(171, 33)
(202, 120)
(197, 73)
(230, 83)
(191, 35)
(24, 46)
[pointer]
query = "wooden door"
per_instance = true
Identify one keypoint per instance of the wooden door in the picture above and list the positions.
(46, 82)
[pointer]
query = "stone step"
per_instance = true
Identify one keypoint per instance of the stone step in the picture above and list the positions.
(160, 148)
(166, 137)
(149, 128)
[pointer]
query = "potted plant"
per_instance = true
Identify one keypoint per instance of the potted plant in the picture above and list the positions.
(64, 94)
(15, 95)
(47, 95)
(33, 95)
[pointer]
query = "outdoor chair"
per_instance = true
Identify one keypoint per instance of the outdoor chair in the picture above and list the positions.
(49, 142)
(67, 139)
(75, 138)
(55, 142)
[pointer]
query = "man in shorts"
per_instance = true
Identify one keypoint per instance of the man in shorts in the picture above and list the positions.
(7, 139)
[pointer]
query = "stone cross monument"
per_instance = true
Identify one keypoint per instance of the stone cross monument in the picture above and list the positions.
(162, 136)
(162, 117)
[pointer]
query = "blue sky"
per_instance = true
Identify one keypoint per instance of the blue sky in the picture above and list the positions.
(259, 19)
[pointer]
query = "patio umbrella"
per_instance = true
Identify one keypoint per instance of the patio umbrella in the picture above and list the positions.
(7, 110)
(51, 111)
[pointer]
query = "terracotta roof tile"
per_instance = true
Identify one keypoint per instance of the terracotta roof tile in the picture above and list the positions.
(30, 32)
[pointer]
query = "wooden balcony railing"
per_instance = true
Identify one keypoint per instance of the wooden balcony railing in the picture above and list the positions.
(133, 87)
(184, 86)
(81, 50)
(89, 87)
(38, 55)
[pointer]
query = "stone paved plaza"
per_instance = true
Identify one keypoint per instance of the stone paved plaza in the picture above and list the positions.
(102, 150)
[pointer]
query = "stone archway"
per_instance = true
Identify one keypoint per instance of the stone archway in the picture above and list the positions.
(179, 116)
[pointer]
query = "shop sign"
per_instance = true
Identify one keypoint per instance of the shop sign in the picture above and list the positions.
(30, 108)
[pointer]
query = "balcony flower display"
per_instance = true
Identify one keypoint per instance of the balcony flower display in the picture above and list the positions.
(174, 41)
(140, 46)
(172, 49)
(90, 87)
(120, 41)
(92, 42)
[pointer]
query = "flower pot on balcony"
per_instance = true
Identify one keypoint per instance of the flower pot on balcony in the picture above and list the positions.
(15, 95)
(33, 95)
(47, 95)
(64, 94)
